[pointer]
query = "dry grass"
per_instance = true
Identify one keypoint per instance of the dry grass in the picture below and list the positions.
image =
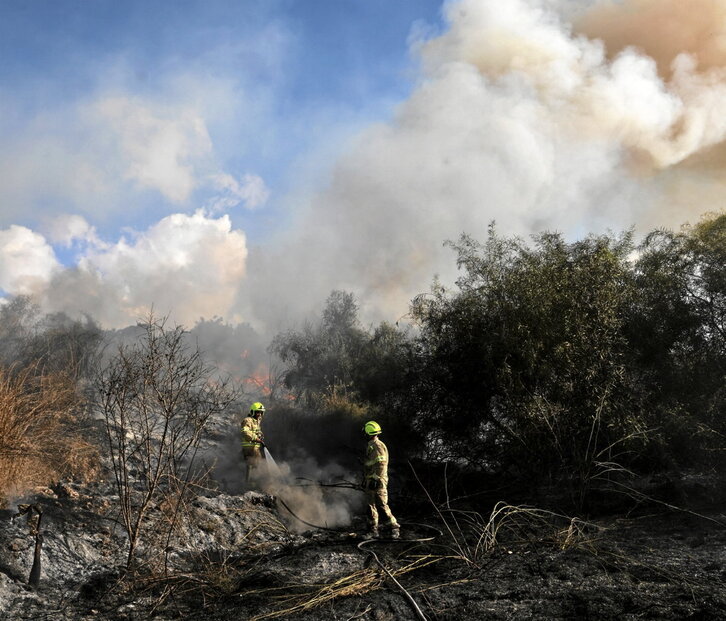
(473, 536)
(217, 574)
(38, 441)
(299, 598)
(206, 574)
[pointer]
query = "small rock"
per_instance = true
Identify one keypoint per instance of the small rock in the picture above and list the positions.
(63, 490)
(258, 498)
(16, 545)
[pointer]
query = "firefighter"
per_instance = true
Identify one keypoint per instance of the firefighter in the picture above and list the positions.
(375, 481)
(252, 444)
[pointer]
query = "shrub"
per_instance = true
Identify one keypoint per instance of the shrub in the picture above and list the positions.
(41, 439)
(156, 396)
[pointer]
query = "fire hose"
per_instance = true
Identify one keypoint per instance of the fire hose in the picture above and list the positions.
(408, 596)
(365, 542)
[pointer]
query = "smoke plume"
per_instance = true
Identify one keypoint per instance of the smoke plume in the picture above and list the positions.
(527, 119)
(538, 114)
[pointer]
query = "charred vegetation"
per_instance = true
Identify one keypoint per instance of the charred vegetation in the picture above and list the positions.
(555, 424)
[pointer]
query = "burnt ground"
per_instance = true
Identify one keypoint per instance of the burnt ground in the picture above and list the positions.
(659, 566)
(241, 558)
(655, 567)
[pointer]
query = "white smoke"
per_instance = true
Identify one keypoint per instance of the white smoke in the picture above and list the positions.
(159, 150)
(518, 118)
(318, 494)
(539, 114)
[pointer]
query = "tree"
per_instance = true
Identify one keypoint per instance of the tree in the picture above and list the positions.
(346, 374)
(156, 397)
(40, 442)
(381, 372)
(677, 331)
(50, 343)
(526, 364)
(323, 355)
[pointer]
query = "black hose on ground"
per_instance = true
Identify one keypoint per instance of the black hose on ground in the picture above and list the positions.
(343, 530)
(409, 597)
(365, 542)
(299, 519)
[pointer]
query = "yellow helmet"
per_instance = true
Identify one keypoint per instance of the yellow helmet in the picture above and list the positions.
(257, 407)
(372, 428)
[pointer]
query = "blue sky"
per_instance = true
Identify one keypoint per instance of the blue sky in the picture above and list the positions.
(295, 76)
(242, 159)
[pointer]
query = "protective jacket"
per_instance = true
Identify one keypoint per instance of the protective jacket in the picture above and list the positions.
(376, 462)
(251, 433)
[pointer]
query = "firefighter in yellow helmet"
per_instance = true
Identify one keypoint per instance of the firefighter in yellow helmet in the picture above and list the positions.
(375, 481)
(252, 444)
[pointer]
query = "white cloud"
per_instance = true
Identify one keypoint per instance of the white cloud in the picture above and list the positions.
(68, 229)
(27, 262)
(250, 191)
(42, 167)
(111, 155)
(185, 266)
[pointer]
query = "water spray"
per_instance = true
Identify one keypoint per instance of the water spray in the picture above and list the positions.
(272, 468)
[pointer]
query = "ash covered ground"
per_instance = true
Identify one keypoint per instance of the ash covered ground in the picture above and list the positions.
(244, 556)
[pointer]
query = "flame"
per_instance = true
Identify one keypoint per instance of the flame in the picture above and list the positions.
(260, 380)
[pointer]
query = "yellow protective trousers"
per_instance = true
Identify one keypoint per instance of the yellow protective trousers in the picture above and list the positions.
(378, 503)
